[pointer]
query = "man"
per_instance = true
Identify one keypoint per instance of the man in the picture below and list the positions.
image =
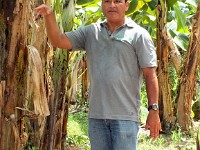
(119, 54)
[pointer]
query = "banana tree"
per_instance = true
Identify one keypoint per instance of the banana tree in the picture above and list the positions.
(163, 62)
(180, 14)
(188, 77)
(23, 98)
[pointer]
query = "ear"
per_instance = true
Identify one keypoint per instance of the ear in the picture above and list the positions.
(127, 5)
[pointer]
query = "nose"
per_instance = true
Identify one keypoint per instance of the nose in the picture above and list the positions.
(112, 4)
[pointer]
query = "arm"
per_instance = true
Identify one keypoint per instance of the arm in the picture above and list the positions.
(153, 120)
(54, 34)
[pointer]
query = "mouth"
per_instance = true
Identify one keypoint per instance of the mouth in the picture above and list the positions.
(112, 11)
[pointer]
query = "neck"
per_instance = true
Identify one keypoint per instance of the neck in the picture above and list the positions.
(115, 25)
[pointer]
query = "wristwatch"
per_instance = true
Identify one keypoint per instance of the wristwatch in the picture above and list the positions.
(153, 107)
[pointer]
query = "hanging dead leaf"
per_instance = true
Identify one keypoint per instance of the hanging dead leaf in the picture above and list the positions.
(36, 91)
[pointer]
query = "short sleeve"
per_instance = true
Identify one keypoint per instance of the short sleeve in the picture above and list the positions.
(145, 50)
(77, 38)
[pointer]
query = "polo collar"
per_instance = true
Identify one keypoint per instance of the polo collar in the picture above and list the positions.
(128, 22)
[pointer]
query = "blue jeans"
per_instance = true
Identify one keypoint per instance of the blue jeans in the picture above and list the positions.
(108, 134)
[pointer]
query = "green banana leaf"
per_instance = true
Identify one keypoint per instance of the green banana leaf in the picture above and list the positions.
(132, 7)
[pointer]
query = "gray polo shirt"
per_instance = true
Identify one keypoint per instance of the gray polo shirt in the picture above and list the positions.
(114, 62)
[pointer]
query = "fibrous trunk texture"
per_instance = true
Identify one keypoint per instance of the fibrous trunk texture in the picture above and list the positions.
(188, 77)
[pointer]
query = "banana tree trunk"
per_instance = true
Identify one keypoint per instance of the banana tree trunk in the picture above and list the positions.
(85, 78)
(188, 77)
(34, 98)
(165, 100)
(23, 96)
(56, 125)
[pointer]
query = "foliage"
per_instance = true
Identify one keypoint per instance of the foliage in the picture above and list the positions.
(166, 142)
(177, 135)
(143, 114)
(77, 130)
(179, 23)
(29, 146)
(174, 81)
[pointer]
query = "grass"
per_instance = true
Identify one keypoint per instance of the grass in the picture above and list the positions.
(77, 131)
(176, 140)
(173, 141)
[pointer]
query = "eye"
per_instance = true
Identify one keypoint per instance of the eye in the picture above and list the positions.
(118, 1)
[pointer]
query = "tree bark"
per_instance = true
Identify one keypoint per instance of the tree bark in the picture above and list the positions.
(188, 77)
(23, 106)
(165, 100)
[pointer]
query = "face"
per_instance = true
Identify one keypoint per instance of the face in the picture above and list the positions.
(114, 10)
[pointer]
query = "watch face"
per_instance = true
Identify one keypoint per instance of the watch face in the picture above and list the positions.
(155, 107)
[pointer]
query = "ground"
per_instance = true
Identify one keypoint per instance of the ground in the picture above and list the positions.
(173, 141)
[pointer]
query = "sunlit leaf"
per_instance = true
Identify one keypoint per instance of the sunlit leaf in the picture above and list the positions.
(170, 3)
(86, 2)
(132, 7)
(181, 19)
(192, 2)
(181, 38)
(147, 1)
(135, 7)
(180, 42)
(152, 4)
(68, 16)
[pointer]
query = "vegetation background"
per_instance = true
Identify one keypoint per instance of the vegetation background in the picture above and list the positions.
(43, 90)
